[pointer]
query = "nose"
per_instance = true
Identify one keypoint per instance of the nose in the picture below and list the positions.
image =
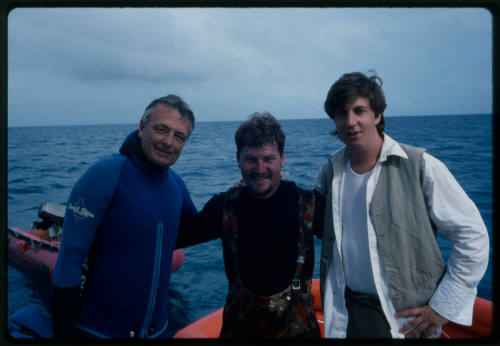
(260, 166)
(350, 119)
(167, 139)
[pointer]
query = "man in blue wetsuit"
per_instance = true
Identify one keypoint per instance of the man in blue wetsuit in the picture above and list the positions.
(121, 226)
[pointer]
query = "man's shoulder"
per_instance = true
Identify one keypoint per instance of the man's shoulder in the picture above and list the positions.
(414, 154)
(402, 156)
(110, 162)
(232, 193)
(395, 148)
(99, 181)
(214, 204)
(296, 192)
(335, 157)
(408, 148)
(333, 161)
(289, 184)
(293, 186)
(105, 168)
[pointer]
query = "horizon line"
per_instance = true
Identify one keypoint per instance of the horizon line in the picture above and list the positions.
(240, 120)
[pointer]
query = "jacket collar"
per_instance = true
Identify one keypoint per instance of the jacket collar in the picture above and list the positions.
(389, 148)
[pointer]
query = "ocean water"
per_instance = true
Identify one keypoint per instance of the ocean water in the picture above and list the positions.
(45, 162)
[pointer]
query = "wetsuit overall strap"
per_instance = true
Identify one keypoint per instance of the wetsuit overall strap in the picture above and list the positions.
(302, 319)
(230, 231)
(306, 215)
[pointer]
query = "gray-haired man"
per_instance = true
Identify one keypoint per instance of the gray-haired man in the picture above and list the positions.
(122, 220)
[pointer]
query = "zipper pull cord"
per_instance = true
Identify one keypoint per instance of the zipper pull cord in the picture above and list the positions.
(154, 283)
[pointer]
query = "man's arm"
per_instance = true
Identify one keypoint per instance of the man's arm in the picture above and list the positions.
(203, 227)
(459, 220)
(86, 206)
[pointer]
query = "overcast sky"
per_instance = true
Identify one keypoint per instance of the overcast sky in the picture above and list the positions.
(103, 66)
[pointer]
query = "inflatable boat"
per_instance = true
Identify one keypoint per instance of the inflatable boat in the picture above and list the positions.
(35, 251)
(482, 325)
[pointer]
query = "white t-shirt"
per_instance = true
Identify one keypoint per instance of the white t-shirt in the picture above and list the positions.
(355, 251)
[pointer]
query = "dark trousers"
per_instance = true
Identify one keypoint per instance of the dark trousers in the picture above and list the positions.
(365, 316)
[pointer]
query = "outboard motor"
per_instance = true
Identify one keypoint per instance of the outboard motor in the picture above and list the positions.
(52, 215)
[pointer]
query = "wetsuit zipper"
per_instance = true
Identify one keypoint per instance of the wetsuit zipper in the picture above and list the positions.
(154, 284)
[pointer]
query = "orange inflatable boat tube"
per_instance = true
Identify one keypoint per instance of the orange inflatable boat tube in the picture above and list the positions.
(482, 325)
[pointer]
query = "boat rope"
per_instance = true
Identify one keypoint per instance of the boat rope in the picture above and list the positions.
(445, 334)
(35, 243)
(15, 233)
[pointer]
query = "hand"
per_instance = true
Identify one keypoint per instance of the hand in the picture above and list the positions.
(425, 324)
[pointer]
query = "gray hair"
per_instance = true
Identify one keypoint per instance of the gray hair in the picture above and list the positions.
(171, 101)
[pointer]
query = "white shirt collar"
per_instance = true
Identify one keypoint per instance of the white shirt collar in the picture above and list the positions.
(391, 147)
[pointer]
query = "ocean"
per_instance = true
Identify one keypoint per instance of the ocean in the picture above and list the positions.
(44, 163)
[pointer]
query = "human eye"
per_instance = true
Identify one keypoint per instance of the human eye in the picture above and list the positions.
(161, 130)
(359, 110)
(249, 159)
(180, 137)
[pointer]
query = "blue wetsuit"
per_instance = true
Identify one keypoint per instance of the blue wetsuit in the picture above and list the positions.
(127, 215)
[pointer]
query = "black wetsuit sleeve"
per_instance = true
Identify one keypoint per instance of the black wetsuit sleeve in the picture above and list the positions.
(319, 213)
(65, 311)
(205, 226)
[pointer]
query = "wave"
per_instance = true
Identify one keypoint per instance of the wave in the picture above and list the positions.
(26, 190)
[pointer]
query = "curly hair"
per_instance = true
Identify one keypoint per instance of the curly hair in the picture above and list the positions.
(260, 129)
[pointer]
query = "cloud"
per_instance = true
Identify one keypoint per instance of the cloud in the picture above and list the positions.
(230, 62)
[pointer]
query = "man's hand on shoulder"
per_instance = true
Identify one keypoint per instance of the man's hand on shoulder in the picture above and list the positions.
(425, 324)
